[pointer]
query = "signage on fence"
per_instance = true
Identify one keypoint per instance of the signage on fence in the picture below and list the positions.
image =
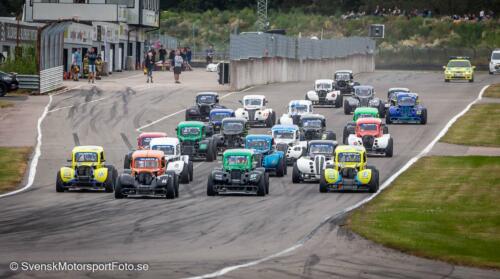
(78, 34)
(8, 32)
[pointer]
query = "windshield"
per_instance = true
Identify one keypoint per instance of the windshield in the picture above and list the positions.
(495, 56)
(206, 99)
(253, 102)
(458, 64)
(232, 126)
(342, 76)
(363, 92)
(145, 163)
(324, 86)
(406, 101)
(145, 141)
(311, 123)
(167, 149)
(86, 157)
(283, 134)
(298, 108)
(258, 144)
(190, 131)
(349, 157)
(321, 148)
(236, 160)
(368, 127)
(218, 116)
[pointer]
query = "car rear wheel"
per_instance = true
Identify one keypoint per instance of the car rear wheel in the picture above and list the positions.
(261, 188)
(118, 189)
(373, 184)
(339, 101)
(170, 189)
(323, 186)
(267, 183)
(210, 151)
(295, 173)
(191, 168)
(280, 170)
(3, 90)
(389, 148)
(210, 187)
(109, 184)
(126, 162)
(423, 120)
(185, 174)
(347, 108)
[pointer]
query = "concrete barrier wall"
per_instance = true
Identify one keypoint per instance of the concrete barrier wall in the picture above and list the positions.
(245, 73)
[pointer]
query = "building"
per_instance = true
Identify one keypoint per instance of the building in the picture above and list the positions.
(116, 28)
(13, 33)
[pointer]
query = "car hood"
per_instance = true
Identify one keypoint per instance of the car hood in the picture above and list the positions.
(458, 69)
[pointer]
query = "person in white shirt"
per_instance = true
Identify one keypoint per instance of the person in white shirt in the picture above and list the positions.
(177, 65)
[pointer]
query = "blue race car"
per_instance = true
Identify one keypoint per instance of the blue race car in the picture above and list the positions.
(406, 108)
(216, 115)
(271, 159)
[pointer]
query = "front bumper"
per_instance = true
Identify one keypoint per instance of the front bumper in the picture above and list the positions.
(145, 191)
(347, 185)
(79, 185)
(405, 119)
(459, 76)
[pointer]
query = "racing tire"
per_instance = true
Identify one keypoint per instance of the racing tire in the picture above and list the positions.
(323, 186)
(185, 174)
(423, 120)
(347, 108)
(489, 72)
(59, 183)
(446, 80)
(267, 183)
(388, 119)
(471, 80)
(295, 173)
(280, 170)
(385, 130)
(109, 184)
(339, 101)
(210, 187)
(3, 90)
(330, 135)
(345, 135)
(127, 161)
(373, 184)
(191, 170)
(210, 151)
(389, 149)
(381, 110)
(170, 189)
(261, 188)
(188, 116)
(118, 189)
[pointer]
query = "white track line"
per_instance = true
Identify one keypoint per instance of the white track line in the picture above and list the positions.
(386, 184)
(183, 110)
(38, 153)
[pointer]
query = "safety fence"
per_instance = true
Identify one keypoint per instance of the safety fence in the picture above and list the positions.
(262, 45)
(29, 81)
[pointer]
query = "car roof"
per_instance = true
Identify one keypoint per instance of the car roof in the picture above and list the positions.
(207, 93)
(363, 87)
(241, 119)
(152, 135)
(407, 94)
(313, 116)
(369, 120)
(365, 110)
(238, 151)
(324, 81)
(259, 136)
(344, 71)
(254, 97)
(191, 124)
(322, 141)
(300, 102)
(215, 110)
(289, 127)
(349, 148)
(164, 141)
(148, 154)
(398, 89)
(88, 148)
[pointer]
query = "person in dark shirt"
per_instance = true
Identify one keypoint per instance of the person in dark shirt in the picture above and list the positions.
(171, 57)
(163, 54)
(92, 57)
(150, 64)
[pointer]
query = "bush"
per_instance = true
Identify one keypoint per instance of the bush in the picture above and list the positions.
(25, 64)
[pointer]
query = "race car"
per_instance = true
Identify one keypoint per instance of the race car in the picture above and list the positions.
(216, 115)
(180, 164)
(364, 96)
(369, 133)
(349, 171)
(494, 66)
(288, 139)
(255, 111)
(143, 141)
(406, 109)
(147, 177)
(296, 108)
(318, 156)
(459, 68)
(87, 171)
(393, 90)
(205, 102)
(196, 141)
(271, 159)
(8, 82)
(232, 134)
(239, 174)
(324, 94)
(344, 82)
(363, 112)
(313, 127)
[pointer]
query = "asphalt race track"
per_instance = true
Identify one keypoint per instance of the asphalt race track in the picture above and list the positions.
(196, 234)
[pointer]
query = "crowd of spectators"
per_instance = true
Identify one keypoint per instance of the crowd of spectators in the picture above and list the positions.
(164, 58)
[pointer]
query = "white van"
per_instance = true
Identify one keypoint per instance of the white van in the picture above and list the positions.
(495, 62)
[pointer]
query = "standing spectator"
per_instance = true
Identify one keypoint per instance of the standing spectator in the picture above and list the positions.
(163, 54)
(76, 64)
(210, 54)
(92, 56)
(171, 57)
(481, 15)
(2, 58)
(189, 56)
(149, 64)
(177, 65)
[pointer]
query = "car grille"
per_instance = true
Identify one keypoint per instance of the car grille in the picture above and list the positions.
(341, 84)
(319, 163)
(363, 102)
(348, 173)
(322, 95)
(368, 141)
(188, 149)
(236, 174)
(405, 110)
(251, 114)
(84, 172)
(144, 178)
(295, 119)
(205, 110)
(311, 134)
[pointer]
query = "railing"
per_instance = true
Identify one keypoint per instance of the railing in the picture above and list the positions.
(29, 81)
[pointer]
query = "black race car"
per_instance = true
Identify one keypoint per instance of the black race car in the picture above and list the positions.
(8, 82)
(205, 102)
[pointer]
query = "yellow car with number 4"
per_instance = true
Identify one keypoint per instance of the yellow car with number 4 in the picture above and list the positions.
(459, 68)
(349, 171)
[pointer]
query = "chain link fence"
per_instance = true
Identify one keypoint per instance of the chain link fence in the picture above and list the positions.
(258, 45)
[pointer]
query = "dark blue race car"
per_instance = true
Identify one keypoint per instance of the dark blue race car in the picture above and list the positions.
(406, 108)
(216, 115)
(271, 159)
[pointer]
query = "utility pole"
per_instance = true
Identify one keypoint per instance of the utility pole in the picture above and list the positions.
(262, 20)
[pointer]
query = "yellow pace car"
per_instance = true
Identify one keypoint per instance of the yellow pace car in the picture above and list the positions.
(459, 68)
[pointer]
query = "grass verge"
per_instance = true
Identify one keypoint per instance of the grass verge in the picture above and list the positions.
(478, 127)
(444, 208)
(493, 91)
(5, 104)
(13, 163)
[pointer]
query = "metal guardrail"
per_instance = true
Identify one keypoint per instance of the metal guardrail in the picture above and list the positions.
(51, 79)
(29, 81)
(273, 45)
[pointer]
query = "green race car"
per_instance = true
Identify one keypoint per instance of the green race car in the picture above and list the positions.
(459, 68)
(196, 140)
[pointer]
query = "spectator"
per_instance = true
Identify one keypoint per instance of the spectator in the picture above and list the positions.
(92, 56)
(163, 54)
(2, 58)
(210, 54)
(76, 64)
(149, 64)
(177, 65)
(171, 56)
(189, 55)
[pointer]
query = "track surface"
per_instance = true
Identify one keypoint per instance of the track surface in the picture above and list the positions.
(194, 234)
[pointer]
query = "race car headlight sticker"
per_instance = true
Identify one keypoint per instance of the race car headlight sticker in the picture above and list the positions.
(218, 177)
(253, 177)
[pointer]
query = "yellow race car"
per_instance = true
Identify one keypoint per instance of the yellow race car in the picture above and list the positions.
(349, 171)
(87, 171)
(459, 68)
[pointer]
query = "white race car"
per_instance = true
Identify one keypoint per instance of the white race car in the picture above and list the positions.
(287, 139)
(181, 164)
(296, 108)
(324, 94)
(255, 111)
(318, 156)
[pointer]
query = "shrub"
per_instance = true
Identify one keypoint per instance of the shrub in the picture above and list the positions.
(25, 64)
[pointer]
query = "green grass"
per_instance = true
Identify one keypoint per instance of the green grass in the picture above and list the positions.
(5, 104)
(444, 208)
(480, 126)
(493, 91)
(13, 162)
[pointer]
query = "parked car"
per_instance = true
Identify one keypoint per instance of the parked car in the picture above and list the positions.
(8, 82)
